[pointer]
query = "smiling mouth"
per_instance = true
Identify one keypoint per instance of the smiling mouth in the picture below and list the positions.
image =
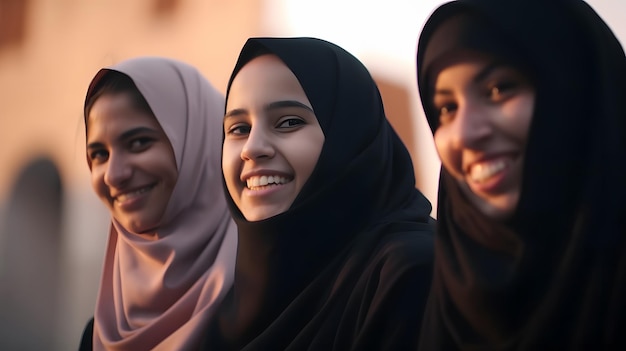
(133, 194)
(260, 182)
(482, 171)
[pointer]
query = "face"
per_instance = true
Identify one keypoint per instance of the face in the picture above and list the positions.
(133, 169)
(272, 138)
(485, 110)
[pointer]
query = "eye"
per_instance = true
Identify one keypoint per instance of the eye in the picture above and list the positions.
(290, 122)
(446, 112)
(98, 156)
(238, 129)
(501, 90)
(140, 144)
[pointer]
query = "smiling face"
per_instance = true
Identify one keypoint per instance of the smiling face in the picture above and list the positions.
(272, 138)
(485, 110)
(133, 169)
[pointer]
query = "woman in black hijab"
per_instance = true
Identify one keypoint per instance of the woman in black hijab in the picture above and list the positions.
(345, 264)
(527, 103)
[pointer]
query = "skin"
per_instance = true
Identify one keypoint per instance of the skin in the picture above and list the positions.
(485, 110)
(133, 169)
(270, 131)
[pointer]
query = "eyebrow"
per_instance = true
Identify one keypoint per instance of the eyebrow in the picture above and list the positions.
(480, 76)
(271, 106)
(486, 71)
(126, 135)
(287, 103)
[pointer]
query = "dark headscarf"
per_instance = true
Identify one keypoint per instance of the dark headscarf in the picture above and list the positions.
(554, 275)
(353, 254)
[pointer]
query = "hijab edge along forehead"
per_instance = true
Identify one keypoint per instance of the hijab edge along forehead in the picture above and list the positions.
(279, 47)
(183, 116)
(455, 32)
(101, 78)
(337, 84)
(341, 91)
(284, 48)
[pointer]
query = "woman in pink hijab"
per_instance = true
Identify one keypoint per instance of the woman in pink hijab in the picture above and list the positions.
(154, 137)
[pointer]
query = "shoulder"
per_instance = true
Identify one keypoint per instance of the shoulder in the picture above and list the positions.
(406, 245)
(86, 341)
(393, 288)
(401, 256)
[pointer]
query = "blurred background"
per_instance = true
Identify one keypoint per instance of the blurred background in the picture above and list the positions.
(52, 227)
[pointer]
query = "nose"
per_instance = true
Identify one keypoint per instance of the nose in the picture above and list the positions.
(259, 145)
(472, 125)
(118, 170)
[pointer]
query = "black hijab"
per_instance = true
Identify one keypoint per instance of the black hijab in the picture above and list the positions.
(554, 275)
(354, 251)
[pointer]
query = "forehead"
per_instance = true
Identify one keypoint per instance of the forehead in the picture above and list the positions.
(459, 57)
(263, 80)
(115, 113)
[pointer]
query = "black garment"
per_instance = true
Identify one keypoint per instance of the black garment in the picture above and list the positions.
(553, 276)
(349, 265)
(86, 340)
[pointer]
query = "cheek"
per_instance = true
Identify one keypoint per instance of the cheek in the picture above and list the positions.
(521, 113)
(442, 144)
(228, 158)
(97, 182)
(306, 153)
(231, 164)
(450, 157)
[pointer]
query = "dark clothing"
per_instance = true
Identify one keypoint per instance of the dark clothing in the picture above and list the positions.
(364, 300)
(348, 266)
(86, 341)
(554, 275)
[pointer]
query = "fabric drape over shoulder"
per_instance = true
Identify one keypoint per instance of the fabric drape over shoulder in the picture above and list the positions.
(160, 293)
(553, 276)
(348, 266)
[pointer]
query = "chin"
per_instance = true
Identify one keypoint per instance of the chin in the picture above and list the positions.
(500, 212)
(142, 228)
(255, 216)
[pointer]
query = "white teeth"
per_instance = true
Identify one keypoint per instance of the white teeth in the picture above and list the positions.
(257, 181)
(482, 171)
(127, 196)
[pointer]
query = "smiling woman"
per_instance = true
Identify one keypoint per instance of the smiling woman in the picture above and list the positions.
(335, 242)
(485, 109)
(133, 169)
(273, 139)
(526, 101)
(153, 129)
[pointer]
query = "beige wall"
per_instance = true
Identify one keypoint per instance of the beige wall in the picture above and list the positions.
(43, 78)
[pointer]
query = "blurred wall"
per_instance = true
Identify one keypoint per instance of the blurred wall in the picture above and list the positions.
(52, 227)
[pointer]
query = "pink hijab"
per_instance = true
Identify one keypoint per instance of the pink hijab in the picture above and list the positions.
(161, 293)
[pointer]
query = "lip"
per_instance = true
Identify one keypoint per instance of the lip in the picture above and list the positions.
(134, 202)
(264, 172)
(497, 182)
(264, 191)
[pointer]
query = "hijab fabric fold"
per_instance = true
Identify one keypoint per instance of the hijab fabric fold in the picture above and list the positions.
(554, 275)
(307, 278)
(159, 293)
